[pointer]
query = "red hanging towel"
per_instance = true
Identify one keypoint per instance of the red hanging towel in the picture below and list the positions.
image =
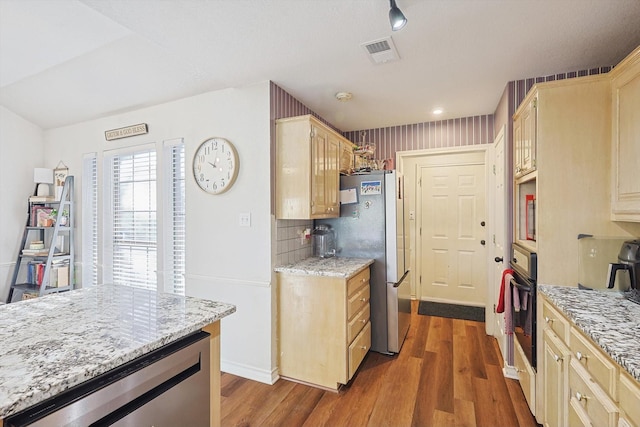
(500, 308)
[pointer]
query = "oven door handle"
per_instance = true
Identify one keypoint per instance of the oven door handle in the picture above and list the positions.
(525, 288)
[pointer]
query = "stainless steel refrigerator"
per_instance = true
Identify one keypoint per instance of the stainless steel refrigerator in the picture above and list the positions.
(371, 225)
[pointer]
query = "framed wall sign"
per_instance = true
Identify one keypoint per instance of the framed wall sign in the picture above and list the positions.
(60, 174)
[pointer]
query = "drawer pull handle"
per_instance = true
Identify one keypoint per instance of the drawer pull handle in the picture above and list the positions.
(364, 347)
(580, 396)
(557, 358)
(580, 356)
(548, 319)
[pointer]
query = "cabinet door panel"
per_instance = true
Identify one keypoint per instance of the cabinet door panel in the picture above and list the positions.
(591, 397)
(359, 348)
(555, 380)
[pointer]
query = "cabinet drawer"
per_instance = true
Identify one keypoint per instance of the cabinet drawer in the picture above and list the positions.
(577, 415)
(357, 281)
(359, 348)
(357, 301)
(595, 362)
(358, 322)
(588, 394)
(526, 376)
(629, 391)
(554, 320)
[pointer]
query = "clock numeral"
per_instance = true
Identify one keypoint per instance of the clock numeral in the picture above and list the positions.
(215, 187)
(207, 150)
(201, 177)
(215, 145)
(222, 182)
(201, 158)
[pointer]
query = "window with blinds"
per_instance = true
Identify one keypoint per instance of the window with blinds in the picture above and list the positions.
(133, 236)
(175, 218)
(89, 220)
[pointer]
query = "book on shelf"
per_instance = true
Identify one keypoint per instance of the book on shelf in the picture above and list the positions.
(41, 252)
(41, 199)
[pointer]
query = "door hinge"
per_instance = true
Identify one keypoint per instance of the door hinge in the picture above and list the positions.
(535, 102)
(420, 231)
(420, 279)
(419, 182)
(494, 308)
(494, 239)
(494, 169)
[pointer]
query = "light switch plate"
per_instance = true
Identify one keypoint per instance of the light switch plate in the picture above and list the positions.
(244, 219)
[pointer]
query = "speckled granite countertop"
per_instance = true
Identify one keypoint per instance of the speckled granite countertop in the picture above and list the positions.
(610, 320)
(334, 266)
(52, 343)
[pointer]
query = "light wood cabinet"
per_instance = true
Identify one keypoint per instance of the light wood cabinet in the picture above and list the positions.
(324, 330)
(568, 161)
(581, 384)
(526, 376)
(625, 135)
(308, 156)
(556, 380)
(525, 137)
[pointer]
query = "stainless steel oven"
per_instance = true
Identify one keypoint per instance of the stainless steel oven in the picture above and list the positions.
(524, 264)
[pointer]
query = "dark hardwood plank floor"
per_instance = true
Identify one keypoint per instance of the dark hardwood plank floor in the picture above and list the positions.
(449, 373)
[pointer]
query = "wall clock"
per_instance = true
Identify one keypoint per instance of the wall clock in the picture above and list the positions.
(215, 165)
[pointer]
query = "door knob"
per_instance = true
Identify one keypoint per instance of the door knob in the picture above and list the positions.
(482, 242)
(498, 259)
(482, 223)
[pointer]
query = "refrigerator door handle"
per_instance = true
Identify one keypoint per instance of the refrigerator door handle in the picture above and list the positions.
(399, 282)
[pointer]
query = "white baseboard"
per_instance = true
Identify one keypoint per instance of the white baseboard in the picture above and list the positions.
(250, 372)
(510, 372)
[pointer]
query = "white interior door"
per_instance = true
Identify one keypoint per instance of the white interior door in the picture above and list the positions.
(499, 258)
(452, 215)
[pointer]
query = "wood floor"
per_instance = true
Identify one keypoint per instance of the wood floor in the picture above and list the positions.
(448, 373)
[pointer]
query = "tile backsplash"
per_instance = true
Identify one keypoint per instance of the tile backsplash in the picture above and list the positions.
(290, 241)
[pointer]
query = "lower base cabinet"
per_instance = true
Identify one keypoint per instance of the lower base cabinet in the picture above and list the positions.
(582, 385)
(526, 375)
(324, 330)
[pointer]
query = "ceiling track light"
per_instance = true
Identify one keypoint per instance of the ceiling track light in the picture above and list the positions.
(396, 17)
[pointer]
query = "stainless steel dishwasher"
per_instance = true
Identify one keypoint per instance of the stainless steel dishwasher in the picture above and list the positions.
(167, 387)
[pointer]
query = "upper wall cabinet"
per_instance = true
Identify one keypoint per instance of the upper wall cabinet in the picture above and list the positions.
(525, 137)
(307, 169)
(625, 127)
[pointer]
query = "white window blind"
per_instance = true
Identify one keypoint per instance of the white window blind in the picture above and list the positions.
(133, 219)
(89, 220)
(175, 218)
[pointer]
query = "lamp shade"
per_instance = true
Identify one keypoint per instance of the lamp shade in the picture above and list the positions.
(43, 176)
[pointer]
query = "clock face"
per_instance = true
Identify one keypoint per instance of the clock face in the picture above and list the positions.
(215, 165)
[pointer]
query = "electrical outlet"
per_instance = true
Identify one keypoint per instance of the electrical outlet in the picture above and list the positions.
(244, 220)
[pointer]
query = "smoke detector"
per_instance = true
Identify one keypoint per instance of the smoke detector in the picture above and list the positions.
(381, 51)
(344, 96)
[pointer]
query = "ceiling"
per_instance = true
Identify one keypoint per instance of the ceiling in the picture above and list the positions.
(67, 61)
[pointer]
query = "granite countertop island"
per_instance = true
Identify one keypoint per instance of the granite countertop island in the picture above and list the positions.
(332, 267)
(609, 319)
(52, 343)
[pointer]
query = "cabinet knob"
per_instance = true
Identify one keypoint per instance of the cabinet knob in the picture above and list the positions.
(364, 320)
(580, 356)
(580, 396)
(364, 347)
(557, 358)
(363, 299)
(548, 319)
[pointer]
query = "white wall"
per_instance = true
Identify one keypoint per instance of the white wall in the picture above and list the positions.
(21, 150)
(225, 262)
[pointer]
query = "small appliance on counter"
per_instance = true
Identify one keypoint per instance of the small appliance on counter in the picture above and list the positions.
(629, 262)
(608, 263)
(323, 241)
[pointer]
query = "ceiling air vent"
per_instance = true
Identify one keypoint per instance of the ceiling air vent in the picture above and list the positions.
(381, 51)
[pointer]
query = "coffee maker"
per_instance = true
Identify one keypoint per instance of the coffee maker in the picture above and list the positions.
(629, 261)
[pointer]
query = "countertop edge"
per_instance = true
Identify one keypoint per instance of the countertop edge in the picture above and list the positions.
(342, 267)
(601, 333)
